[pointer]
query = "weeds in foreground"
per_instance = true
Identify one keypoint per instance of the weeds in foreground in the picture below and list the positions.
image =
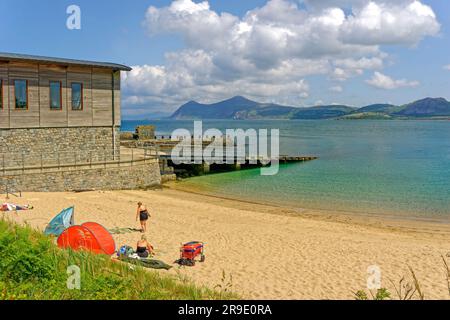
(381, 294)
(405, 289)
(32, 267)
(447, 272)
(226, 284)
(417, 284)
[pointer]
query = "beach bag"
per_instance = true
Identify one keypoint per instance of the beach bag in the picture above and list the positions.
(125, 251)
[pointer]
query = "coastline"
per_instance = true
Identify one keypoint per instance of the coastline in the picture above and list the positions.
(265, 252)
(337, 215)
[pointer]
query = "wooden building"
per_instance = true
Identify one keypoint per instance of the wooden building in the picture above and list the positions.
(54, 105)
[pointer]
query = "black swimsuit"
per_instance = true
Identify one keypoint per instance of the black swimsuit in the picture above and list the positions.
(144, 215)
(142, 252)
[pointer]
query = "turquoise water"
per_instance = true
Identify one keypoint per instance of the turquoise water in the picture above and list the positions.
(399, 168)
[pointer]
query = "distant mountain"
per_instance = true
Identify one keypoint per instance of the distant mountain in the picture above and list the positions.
(234, 108)
(382, 108)
(240, 108)
(322, 112)
(427, 107)
(374, 111)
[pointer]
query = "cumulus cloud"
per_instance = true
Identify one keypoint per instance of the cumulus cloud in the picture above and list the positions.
(384, 23)
(337, 89)
(270, 51)
(382, 81)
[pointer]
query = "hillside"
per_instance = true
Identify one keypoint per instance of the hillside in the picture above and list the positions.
(367, 116)
(427, 107)
(33, 268)
(379, 108)
(374, 112)
(322, 112)
(234, 108)
(240, 108)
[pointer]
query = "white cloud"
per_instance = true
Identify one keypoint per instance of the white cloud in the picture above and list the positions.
(190, 75)
(339, 74)
(362, 63)
(447, 67)
(387, 23)
(337, 89)
(382, 81)
(270, 50)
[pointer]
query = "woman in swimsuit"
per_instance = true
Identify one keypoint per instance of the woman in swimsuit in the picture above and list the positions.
(144, 248)
(143, 215)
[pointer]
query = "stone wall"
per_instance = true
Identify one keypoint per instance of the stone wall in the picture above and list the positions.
(140, 175)
(49, 142)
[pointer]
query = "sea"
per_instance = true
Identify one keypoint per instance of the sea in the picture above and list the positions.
(397, 168)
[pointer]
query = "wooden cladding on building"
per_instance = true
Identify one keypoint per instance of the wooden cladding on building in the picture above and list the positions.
(98, 96)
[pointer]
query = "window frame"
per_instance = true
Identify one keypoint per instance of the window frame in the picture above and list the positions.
(50, 95)
(1, 94)
(26, 95)
(81, 96)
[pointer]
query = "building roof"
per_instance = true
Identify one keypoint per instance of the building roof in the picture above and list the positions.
(62, 61)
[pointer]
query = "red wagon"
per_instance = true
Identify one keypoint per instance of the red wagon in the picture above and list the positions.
(190, 251)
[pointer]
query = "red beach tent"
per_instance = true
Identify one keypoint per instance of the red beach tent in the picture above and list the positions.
(89, 236)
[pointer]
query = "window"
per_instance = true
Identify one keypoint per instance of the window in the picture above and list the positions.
(21, 94)
(55, 95)
(1, 94)
(77, 96)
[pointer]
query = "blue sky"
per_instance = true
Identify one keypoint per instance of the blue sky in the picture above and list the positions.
(187, 51)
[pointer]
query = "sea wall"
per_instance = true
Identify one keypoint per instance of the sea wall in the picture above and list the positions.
(82, 142)
(137, 176)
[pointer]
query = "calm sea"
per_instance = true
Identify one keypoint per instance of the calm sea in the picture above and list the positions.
(399, 168)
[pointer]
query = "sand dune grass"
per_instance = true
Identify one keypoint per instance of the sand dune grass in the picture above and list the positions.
(32, 267)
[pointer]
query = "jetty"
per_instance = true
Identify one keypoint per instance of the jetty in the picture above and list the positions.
(194, 164)
(198, 166)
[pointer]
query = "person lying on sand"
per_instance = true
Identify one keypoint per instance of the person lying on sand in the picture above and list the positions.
(14, 207)
(144, 248)
(143, 215)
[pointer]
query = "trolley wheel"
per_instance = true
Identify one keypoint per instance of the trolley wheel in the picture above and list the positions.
(202, 258)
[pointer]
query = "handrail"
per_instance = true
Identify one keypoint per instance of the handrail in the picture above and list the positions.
(75, 167)
(7, 191)
(67, 160)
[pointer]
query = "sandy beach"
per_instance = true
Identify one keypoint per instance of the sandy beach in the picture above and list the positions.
(269, 252)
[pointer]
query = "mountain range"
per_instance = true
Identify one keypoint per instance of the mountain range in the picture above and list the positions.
(241, 108)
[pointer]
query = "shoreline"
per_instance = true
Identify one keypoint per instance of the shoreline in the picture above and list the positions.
(347, 216)
(265, 252)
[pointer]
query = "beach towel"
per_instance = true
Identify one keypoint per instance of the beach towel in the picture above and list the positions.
(15, 207)
(146, 263)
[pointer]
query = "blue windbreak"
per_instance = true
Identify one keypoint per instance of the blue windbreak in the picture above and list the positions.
(61, 222)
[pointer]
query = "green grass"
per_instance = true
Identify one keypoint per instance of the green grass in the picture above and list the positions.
(33, 267)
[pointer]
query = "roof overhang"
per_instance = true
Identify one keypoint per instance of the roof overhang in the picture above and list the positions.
(8, 57)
